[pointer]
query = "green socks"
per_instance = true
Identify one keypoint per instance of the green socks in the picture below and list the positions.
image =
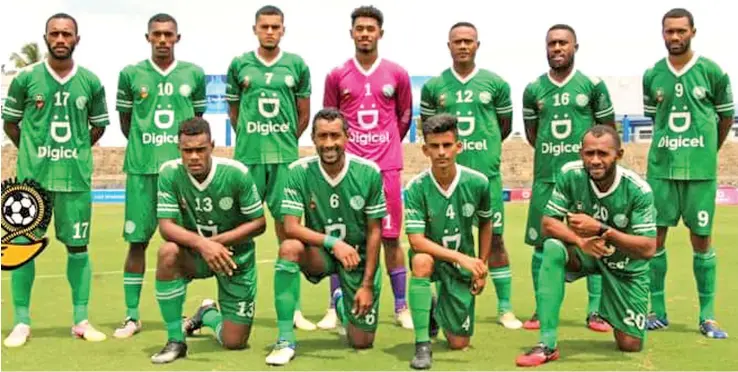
(213, 320)
(502, 279)
(22, 282)
(79, 275)
(132, 283)
(704, 265)
(551, 290)
(421, 298)
(286, 294)
(535, 268)
(341, 313)
(658, 282)
(170, 294)
(594, 289)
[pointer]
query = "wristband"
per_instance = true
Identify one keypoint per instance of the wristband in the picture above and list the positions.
(329, 242)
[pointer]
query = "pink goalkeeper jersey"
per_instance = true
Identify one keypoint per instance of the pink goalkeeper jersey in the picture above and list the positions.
(377, 104)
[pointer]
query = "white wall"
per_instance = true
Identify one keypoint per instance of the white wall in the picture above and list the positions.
(618, 39)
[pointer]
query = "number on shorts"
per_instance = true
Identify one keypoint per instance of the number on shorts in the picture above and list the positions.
(635, 320)
(467, 323)
(703, 218)
(497, 219)
(245, 309)
(370, 317)
(80, 230)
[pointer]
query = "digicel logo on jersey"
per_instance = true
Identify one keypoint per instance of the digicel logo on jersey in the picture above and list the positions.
(557, 149)
(474, 145)
(369, 138)
(674, 144)
(266, 129)
(56, 154)
(158, 139)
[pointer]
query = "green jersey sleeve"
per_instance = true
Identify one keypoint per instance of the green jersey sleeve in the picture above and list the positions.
(602, 104)
(124, 97)
(642, 217)
(15, 101)
(415, 213)
(97, 107)
(166, 204)
(427, 101)
(530, 106)
(293, 203)
(503, 102)
(376, 208)
(199, 95)
(723, 96)
(649, 102)
(249, 200)
(484, 209)
(559, 204)
(304, 88)
(233, 86)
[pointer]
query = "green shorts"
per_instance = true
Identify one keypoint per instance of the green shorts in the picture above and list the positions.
(71, 215)
(350, 284)
(270, 180)
(140, 207)
(624, 302)
(693, 201)
(455, 308)
(497, 204)
(540, 194)
(236, 293)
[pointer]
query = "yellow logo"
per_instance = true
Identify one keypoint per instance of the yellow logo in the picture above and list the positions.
(26, 207)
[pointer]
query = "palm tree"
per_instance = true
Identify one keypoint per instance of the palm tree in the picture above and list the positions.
(29, 54)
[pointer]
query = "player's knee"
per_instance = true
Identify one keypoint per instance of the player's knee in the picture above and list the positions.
(458, 343)
(629, 344)
(700, 243)
(234, 341)
(291, 250)
(168, 254)
(554, 251)
(422, 265)
(362, 340)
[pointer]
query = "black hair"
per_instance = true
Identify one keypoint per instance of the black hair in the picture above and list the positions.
(563, 26)
(330, 114)
(441, 123)
(368, 12)
(269, 10)
(679, 13)
(601, 130)
(63, 16)
(462, 24)
(194, 127)
(162, 18)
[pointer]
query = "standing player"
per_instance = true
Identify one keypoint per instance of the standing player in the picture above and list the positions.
(441, 204)
(340, 197)
(480, 99)
(610, 230)
(62, 107)
(154, 96)
(268, 93)
(689, 99)
(209, 211)
(558, 108)
(375, 97)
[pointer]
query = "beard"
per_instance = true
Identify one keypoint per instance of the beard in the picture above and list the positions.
(609, 172)
(323, 158)
(61, 57)
(683, 48)
(565, 66)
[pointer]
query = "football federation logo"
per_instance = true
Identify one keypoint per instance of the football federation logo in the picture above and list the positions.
(39, 101)
(659, 95)
(467, 210)
(620, 220)
(699, 92)
(246, 82)
(81, 102)
(582, 100)
(540, 104)
(289, 81)
(442, 100)
(388, 90)
(357, 202)
(144, 92)
(226, 203)
(26, 208)
(185, 90)
(485, 97)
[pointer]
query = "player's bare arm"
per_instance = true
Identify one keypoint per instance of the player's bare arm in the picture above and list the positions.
(724, 126)
(364, 296)
(555, 228)
(12, 129)
(505, 126)
(531, 131)
(215, 254)
(346, 254)
(639, 247)
(421, 244)
(125, 123)
(242, 233)
(233, 110)
(485, 250)
(95, 134)
(303, 115)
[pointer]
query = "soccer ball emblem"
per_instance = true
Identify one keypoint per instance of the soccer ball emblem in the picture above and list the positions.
(20, 209)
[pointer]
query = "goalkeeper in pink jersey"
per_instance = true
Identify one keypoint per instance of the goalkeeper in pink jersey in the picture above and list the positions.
(375, 97)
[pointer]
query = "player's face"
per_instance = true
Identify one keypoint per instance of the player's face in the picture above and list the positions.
(366, 34)
(196, 153)
(677, 35)
(330, 140)
(162, 36)
(463, 44)
(61, 38)
(560, 48)
(600, 156)
(269, 30)
(441, 148)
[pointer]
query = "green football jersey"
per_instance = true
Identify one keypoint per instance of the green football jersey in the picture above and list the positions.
(158, 101)
(55, 114)
(685, 106)
(627, 206)
(478, 101)
(226, 199)
(338, 207)
(266, 132)
(564, 111)
(446, 217)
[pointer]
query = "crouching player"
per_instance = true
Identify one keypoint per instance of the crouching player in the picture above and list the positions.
(610, 230)
(440, 206)
(209, 211)
(340, 197)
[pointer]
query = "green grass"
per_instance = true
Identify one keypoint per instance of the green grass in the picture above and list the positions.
(494, 348)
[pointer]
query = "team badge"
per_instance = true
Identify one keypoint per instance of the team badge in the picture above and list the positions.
(532, 233)
(699, 92)
(467, 210)
(129, 227)
(185, 90)
(357, 202)
(388, 90)
(226, 203)
(620, 220)
(26, 209)
(582, 99)
(485, 97)
(289, 81)
(144, 92)
(81, 102)
(40, 101)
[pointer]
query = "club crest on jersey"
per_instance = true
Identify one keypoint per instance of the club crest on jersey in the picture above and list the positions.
(226, 203)
(485, 97)
(40, 101)
(467, 210)
(129, 227)
(620, 220)
(357, 202)
(582, 99)
(81, 102)
(532, 233)
(144, 92)
(289, 81)
(699, 92)
(388, 90)
(185, 90)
